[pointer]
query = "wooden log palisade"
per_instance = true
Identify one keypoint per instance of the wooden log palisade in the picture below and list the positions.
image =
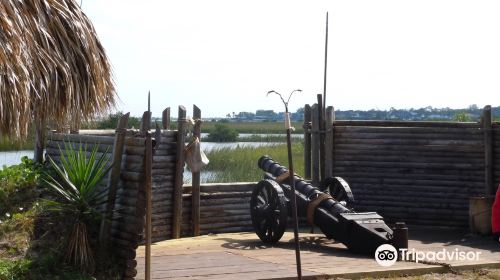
(417, 171)
(128, 183)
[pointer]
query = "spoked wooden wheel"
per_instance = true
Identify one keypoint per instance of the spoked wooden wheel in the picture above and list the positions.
(338, 189)
(269, 212)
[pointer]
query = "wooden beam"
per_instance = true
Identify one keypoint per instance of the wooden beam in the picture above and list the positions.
(407, 123)
(307, 141)
(179, 179)
(39, 141)
(166, 118)
(315, 144)
(321, 121)
(329, 142)
(114, 178)
(145, 123)
(148, 160)
(195, 214)
(488, 152)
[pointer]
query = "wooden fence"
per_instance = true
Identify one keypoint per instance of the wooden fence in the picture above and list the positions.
(176, 210)
(127, 182)
(420, 172)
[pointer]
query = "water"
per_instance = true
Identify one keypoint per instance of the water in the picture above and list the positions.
(248, 135)
(14, 157)
(208, 146)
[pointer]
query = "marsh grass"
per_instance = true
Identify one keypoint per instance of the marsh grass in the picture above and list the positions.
(263, 138)
(7, 144)
(240, 164)
(253, 127)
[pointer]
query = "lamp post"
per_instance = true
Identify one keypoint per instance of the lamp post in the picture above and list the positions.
(289, 129)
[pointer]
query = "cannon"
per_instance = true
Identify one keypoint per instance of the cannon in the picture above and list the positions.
(326, 207)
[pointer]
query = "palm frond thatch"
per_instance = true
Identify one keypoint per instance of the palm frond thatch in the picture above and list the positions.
(52, 65)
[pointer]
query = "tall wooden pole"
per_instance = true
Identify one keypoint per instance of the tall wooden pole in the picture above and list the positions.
(148, 166)
(288, 126)
(293, 198)
(148, 162)
(326, 64)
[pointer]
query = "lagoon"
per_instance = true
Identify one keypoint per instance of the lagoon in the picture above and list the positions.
(14, 157)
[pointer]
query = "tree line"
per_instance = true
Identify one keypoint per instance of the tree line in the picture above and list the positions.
(471, 114)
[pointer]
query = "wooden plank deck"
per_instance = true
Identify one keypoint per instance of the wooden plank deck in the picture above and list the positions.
(243, 256)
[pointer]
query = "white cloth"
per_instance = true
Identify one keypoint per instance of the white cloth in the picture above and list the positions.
(195, 157)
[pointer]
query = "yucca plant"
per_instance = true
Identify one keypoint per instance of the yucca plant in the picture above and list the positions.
(77, 197)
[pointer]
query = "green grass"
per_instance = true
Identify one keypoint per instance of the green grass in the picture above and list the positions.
(476, 274)
(46, 267)
(14, 269)
(263, 138)
(32, 240)
(18, 186)
(240, 164)
(14, 145)
(253, 127)
(257, 138)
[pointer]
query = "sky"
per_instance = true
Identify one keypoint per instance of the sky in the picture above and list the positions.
(224, 56)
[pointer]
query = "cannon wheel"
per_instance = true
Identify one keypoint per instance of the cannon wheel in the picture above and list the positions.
(269, 212)
(338, 189)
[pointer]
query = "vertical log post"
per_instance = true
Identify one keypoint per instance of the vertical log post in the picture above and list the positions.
(307, 141)
(333, 140)
(488, 151)
(179, 170)
(145, 123)
(39, 141)
(196, 177)
(321, 123)
(114, 178)
(329, 142)
(148, 163)
(74, 125)
(165, 120)
(315, 144)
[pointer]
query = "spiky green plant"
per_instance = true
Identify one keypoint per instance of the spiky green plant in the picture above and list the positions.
(75, 185)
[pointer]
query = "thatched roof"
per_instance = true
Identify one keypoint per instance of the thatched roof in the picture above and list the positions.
(52, 65)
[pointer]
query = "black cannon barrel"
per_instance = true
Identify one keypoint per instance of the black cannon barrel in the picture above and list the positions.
(304, 188)
(361, 232)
